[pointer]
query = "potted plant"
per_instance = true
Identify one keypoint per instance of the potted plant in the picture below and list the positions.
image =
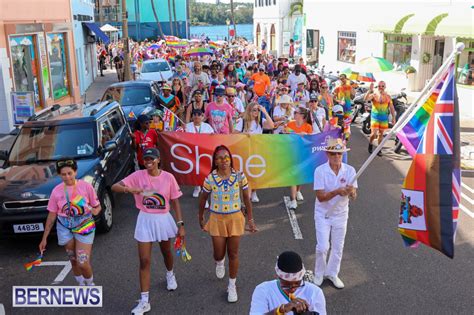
(410, 73)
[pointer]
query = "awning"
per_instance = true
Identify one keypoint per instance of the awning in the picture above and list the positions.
(96, 30)
(108, 28)
(456, 24)
(424, 23)
(393, 25)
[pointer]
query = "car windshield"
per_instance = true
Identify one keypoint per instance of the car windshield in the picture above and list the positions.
(50, 143)
(155, 67)
(128, 96)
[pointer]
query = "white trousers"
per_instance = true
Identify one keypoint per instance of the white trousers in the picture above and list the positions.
(332, 229)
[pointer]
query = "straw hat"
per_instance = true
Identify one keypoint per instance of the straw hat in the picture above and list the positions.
(335, 145)
(285, 99)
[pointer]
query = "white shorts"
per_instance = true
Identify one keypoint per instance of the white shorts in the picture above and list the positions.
(155, 227)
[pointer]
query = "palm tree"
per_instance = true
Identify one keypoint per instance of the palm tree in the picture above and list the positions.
(232, 17)
(175, 20)
(157, 19)
(170, 18)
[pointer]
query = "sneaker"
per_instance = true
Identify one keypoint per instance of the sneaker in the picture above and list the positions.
(336, 282)
(318, 280)
(299, 196)
(371, 147)
(232, 294)
(171, 283)
(196, 191)
(207, 205)
(142, 308)
(220, 271)
(293, 205)
(379, 153)
(255, 197)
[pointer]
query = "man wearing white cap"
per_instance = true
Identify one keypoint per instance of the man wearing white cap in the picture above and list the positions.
(289, 293)
(331, 211)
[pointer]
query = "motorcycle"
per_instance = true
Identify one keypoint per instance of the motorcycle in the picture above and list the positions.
(399, 106)
(358, 103)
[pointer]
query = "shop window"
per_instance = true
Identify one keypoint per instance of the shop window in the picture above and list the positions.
(58, 65)
(466, 63)
(24, 64)
(346, 46)
(398, 50)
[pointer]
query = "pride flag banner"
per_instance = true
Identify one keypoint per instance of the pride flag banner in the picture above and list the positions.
(267, 160)
(431, 191)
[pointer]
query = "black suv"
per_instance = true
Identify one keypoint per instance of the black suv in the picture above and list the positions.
(136, 97)
(96, 135)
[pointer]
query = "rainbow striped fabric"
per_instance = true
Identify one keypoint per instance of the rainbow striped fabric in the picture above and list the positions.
(412, 132)
(431, 191)
(170, 120)
(213, 45)
(36, 262)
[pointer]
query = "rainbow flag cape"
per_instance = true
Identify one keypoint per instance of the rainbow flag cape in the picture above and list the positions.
(36, 262)
(412, 132)
(431, 191)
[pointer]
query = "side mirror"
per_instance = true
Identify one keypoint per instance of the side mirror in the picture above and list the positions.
(110, 146)
(3, 155)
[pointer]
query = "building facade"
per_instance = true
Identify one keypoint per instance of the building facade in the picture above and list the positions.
(406, 33)
(37, 56)
(142, 22)
(276, 22)
(83, 12)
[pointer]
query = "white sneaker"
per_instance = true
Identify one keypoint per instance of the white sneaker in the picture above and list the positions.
(220, 271)
(299, 196)
(171, 283)
(255, 197)
(207, 205)
(318, 280)
(232, 294)
(196, 191)
(142, 308)
(293, 205)
(336, 282)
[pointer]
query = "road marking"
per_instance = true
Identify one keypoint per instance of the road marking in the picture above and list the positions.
(469, 213)
(463, 195)
(293, 220)
(62, 275)
(467, 188)
(4, 138)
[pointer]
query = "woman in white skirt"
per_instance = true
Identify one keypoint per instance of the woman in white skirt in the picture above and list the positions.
(155, 192)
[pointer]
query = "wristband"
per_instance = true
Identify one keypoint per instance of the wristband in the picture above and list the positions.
(180, 223)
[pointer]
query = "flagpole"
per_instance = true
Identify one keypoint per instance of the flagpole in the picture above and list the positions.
(410, 111)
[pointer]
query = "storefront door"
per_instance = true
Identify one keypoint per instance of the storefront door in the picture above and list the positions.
(438, 54)
(25, 66)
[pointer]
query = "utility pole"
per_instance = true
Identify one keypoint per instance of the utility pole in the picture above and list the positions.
(126, 46)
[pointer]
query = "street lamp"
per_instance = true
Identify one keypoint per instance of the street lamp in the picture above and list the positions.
(227, 21)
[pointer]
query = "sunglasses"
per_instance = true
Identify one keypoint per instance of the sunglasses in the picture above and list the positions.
(230, 95)
(255, 110)
(287, 287)
(381, 86)
(223, 158)
(323, 87)
(66, 163)
(335, 153)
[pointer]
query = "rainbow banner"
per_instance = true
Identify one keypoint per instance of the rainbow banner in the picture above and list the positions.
(267, 160)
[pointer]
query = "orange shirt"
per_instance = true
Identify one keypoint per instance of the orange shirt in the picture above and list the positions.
(261, 83)
(305, 127)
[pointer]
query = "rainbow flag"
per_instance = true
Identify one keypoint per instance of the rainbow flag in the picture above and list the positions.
(213, 45)
(431, 191)
(412, 132)
(36, 262)
(170, 120)
(177, 44)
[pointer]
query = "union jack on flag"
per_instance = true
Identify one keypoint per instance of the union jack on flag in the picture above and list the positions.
(431, 191)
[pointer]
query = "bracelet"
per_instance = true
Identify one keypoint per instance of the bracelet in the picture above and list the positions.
(180, 223)
(278, 310)
(250, 220)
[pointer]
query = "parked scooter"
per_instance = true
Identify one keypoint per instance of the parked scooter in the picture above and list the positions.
(358, 103)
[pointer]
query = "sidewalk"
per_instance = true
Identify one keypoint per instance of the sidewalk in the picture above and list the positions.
(467, 144)
(100, 84)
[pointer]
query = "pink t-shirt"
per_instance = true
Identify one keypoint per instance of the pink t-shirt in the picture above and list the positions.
(218, 117)
(158, 190)
(82, 197)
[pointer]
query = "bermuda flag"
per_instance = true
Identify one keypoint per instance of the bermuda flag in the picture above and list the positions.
(431, 191)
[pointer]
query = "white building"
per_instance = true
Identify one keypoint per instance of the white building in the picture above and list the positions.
(407, 33)
(277, 21)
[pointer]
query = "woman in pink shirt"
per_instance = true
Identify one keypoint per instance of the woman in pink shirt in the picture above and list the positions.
(72, 203)
(155, 192)
(219, 113)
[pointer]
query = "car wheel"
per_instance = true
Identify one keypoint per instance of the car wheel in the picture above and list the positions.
(105, 217)
(366, 127)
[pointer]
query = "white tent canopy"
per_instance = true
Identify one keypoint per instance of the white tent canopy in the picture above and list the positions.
(108, 28)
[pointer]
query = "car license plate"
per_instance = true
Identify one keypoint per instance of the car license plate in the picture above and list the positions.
(28, 228)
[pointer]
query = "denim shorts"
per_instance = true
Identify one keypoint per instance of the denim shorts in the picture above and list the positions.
(65, 234)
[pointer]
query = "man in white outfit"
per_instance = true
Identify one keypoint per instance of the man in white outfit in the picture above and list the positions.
(331, 211)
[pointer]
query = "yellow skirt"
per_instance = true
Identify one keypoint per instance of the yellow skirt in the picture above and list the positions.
(225, 225)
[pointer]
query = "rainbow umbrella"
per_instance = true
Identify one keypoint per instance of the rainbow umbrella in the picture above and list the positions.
(199, 51)
(375, 64)
(154, 46)
(353, 74)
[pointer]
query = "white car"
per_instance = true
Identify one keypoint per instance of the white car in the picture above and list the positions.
(156, 70)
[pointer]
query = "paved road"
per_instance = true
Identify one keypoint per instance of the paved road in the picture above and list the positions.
(381, 275)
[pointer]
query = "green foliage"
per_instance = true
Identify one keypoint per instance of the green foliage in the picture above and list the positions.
(207, 13)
